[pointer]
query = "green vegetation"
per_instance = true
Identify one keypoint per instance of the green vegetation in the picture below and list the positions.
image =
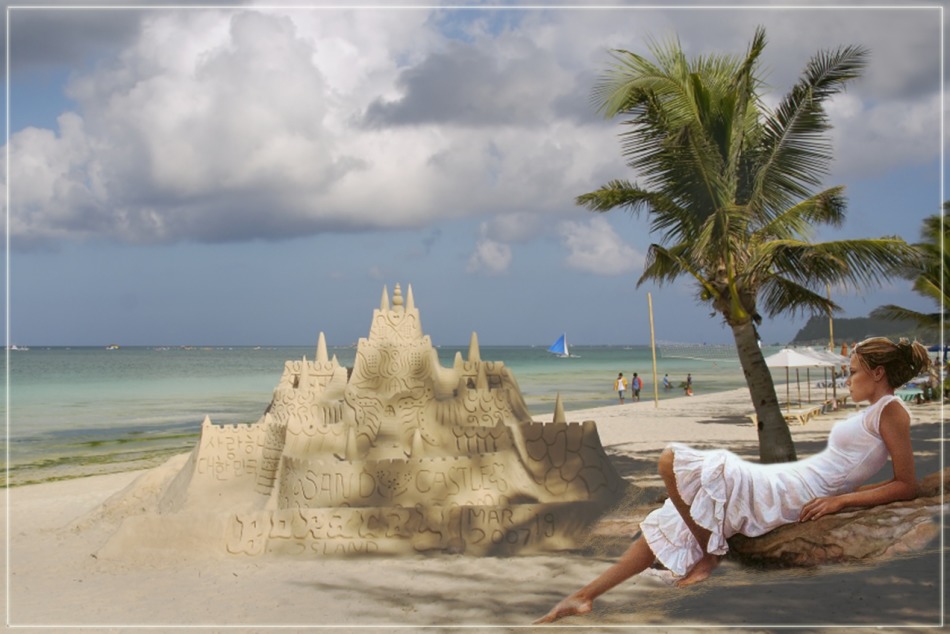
(931, 278)
(850, 330)
(729, 188)
(139, 439)
(77, 465)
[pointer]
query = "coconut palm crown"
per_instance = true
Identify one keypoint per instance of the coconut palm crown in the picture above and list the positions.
(729, 186)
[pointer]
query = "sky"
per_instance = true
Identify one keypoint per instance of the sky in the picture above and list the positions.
(256, 174)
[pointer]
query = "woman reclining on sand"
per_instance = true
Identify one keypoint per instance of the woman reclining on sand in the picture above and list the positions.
(715, 494)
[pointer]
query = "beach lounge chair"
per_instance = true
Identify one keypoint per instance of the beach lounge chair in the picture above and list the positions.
(802, 415)
(910, 394)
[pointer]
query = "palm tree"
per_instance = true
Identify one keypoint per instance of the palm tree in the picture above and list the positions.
(931, 277)
(728, 186)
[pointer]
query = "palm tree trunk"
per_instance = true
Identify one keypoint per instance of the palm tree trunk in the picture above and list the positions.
(775, 439)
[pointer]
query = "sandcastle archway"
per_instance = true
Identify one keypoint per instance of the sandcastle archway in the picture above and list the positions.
(398, 456)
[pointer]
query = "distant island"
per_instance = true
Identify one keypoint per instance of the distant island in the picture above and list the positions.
(858, 328)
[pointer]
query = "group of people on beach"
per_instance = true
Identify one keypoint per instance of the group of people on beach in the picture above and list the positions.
(715, 494)
(636, 385)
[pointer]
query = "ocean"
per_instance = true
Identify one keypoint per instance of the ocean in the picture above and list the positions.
(80, 410)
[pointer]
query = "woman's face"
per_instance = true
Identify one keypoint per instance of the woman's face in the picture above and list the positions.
(861, 381)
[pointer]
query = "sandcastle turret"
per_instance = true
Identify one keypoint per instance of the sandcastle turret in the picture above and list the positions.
(559, 416)
(322, 356)
(474, 354)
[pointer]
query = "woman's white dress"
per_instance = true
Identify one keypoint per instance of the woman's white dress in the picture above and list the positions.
(728, 495)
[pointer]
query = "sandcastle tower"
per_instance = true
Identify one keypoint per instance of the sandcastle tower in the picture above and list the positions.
(398, 456)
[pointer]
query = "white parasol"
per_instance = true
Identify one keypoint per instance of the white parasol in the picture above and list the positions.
(792, 358)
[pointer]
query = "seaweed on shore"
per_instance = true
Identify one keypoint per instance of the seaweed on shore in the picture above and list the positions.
(69, 467)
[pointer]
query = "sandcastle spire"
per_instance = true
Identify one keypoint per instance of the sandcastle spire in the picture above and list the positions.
(410, 302)
(322, 356)
(481, 379)
(397, 299)
(559, 416)
(473, 352)
(384, 302)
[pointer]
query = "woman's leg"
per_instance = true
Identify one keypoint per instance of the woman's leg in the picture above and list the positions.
(635, 560)
(708, 563)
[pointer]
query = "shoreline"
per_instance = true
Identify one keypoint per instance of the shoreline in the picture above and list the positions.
(121, 458)
(83, 412)
(55, 551)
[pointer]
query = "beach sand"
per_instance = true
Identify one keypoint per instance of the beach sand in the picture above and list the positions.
(56, 579)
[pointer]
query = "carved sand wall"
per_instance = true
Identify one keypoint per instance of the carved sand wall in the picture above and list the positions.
(399, 455)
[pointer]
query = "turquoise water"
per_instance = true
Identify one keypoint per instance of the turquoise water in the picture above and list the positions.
(70, 406)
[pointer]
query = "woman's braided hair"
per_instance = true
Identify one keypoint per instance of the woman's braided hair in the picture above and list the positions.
(901, 361)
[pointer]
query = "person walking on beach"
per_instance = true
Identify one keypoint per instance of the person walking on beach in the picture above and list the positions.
(666, 383)
(636, 384)
(715, 494)
(689, 384)
(621, 386)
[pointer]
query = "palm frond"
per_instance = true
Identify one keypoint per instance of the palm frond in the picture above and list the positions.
(796, 151)
(678, 133)
(665, 265)
(929, 286)
(744, 87)
(892, 312)
(781, 296)
(615, 194)
(858, 263)
(797, 221)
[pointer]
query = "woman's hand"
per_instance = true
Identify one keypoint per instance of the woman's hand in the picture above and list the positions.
(819, 507)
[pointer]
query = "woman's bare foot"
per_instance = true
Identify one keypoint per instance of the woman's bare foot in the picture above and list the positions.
(700, 571)
(571, 606)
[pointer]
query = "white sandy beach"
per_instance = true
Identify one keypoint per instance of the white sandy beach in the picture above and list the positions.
(56, 577)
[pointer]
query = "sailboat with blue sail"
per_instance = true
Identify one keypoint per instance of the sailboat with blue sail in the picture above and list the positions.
(560, 347)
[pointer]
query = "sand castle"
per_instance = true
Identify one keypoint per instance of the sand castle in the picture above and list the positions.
(397, 456)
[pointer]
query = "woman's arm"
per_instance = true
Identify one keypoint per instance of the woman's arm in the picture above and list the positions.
(895, 432)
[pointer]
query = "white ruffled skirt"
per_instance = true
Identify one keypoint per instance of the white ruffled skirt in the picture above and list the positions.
(726, 495)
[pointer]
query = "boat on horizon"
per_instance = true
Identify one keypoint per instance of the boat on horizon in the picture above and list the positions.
(560, 348)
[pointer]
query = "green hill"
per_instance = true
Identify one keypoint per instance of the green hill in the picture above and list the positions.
(858, 328)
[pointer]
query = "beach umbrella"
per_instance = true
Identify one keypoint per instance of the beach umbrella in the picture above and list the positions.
(938, 348)
(833, 360)
(836, 360)
(792, 358)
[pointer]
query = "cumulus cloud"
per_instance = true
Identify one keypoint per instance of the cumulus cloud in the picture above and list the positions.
(473, 86)
(594, 247)
(872, 137)
(224, 126)
(490, 257)
(230, 125)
